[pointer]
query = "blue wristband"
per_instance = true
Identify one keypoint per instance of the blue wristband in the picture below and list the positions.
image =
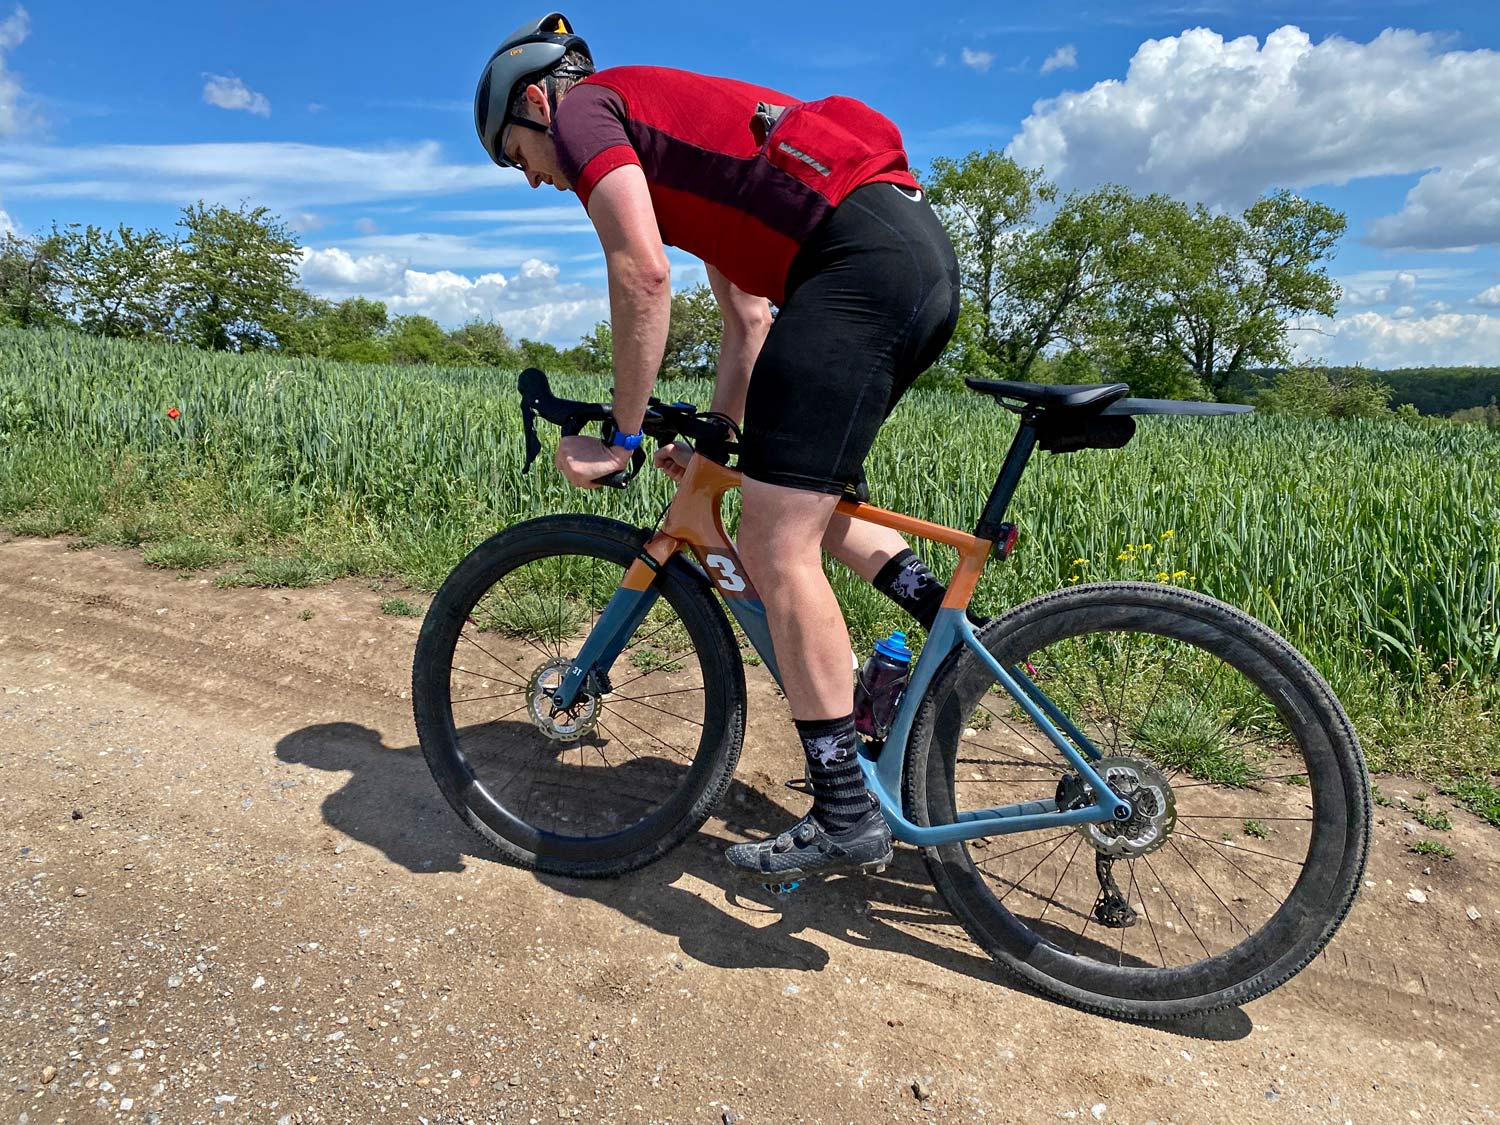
(631, 442)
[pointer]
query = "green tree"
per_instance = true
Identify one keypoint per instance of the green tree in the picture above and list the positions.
(481, 343)
(1064, 274)
(599, 345)
(1217, 291)
(416, 339)
(693, 335)
(351, 331)
(539, 353)
(1317, 392)
(120, 283)
(1488, 415)
(236, 277)
(986, 202)
(31, 280)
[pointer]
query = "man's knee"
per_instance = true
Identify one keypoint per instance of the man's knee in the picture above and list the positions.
(782, 528)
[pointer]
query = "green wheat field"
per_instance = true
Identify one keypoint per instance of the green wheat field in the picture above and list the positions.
(1372, 546)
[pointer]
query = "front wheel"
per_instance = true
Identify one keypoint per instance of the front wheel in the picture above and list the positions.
(1251, 802)
(638, 763)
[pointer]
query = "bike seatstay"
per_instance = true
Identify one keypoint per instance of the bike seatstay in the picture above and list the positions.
(883, 775)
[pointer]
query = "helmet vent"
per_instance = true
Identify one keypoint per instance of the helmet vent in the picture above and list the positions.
(482, 101)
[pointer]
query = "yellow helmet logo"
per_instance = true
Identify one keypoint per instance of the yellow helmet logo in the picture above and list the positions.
(562, 26)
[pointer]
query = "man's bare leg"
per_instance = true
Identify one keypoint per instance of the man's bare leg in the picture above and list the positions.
(863, 547)
(780, 541)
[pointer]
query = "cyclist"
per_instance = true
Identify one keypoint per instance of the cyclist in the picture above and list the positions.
(807, 206)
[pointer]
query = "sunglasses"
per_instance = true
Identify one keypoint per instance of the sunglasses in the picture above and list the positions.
(510, 123)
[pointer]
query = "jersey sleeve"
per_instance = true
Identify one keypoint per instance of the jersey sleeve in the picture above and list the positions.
(591, 137)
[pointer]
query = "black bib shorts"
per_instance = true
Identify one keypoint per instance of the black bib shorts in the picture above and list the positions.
(872, 300)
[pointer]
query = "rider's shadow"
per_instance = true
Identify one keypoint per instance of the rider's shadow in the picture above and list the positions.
(391, 803)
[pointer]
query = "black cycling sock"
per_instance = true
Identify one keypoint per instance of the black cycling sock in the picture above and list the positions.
(906, 580)
(840, 798)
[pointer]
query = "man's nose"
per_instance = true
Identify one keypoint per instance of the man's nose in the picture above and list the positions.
(534, 179)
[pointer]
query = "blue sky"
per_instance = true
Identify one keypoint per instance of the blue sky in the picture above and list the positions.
(353, 122)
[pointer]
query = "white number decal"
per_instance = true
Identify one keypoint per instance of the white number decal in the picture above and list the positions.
(728, 578)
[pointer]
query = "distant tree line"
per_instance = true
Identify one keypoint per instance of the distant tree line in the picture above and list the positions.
(226, 280)
(1100, 285)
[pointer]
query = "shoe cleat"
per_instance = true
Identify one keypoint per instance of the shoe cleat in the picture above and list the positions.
(782, 890)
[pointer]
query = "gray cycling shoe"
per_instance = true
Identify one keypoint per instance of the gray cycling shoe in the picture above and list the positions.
(807, 849)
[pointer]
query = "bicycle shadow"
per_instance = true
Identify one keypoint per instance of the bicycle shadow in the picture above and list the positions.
(391, 803)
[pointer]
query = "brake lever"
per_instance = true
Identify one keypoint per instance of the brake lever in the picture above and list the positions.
(533, 443)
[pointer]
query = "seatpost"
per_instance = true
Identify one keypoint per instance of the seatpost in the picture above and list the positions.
(1021, 448)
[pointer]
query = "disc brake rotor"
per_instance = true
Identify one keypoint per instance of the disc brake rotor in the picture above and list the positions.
(1153, 809)
(559, 725)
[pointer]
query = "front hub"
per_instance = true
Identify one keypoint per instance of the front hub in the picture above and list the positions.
(559, 724)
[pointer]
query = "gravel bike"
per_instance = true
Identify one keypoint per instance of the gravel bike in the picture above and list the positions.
(1138, 799)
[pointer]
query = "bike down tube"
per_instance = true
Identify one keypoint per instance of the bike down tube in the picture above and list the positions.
(883, 775)
(695, 521)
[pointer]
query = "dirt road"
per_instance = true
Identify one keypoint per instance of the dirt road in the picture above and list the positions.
(230, 891)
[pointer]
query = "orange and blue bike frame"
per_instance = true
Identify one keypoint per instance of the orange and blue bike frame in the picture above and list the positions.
(694, 522)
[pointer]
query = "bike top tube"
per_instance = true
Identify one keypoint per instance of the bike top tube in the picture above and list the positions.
(695, 520)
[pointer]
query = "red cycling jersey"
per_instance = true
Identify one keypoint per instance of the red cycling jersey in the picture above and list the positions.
(739, 192)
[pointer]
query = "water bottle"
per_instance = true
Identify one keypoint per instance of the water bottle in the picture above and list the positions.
(878, 688)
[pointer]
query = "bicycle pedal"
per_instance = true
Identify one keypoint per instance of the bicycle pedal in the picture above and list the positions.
(782, 890)
(874, 868)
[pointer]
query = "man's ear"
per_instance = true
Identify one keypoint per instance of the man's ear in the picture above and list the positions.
(536, 97)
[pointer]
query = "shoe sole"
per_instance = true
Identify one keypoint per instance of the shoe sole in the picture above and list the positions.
(768, 878)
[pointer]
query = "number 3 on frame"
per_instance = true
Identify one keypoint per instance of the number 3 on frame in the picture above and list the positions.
(725, 575)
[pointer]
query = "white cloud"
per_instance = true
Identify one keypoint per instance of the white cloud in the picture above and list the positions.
(1064, 58)
(1490, 297)
(306, 222)
(8, 225)
(232, 93)
(530, 302)
(978, 60)
(1375, 340)
(1381, 289)
(13, 30)
(1222, 121)
(282, 175)
(1452, 208)
(444, 251)
(366, 225)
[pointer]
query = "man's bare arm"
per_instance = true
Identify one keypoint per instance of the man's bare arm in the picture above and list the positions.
(640, 287)
(747, 319)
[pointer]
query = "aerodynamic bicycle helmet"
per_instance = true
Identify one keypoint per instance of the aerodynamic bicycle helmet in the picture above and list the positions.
(530, 52)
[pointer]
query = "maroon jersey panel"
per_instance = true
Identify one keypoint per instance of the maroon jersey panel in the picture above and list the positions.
(742, 202)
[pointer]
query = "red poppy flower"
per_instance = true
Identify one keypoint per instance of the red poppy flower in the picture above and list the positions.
(174, 414)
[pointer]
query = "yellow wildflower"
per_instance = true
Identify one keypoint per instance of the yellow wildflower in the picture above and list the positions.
(1162, 576)
(1168, 534)
(1122, 556)
(1145, 546)
(1080, 562)
(1180, 574)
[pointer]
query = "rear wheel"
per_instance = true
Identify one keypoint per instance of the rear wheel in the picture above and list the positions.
(637, 765)
(1250, 798)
